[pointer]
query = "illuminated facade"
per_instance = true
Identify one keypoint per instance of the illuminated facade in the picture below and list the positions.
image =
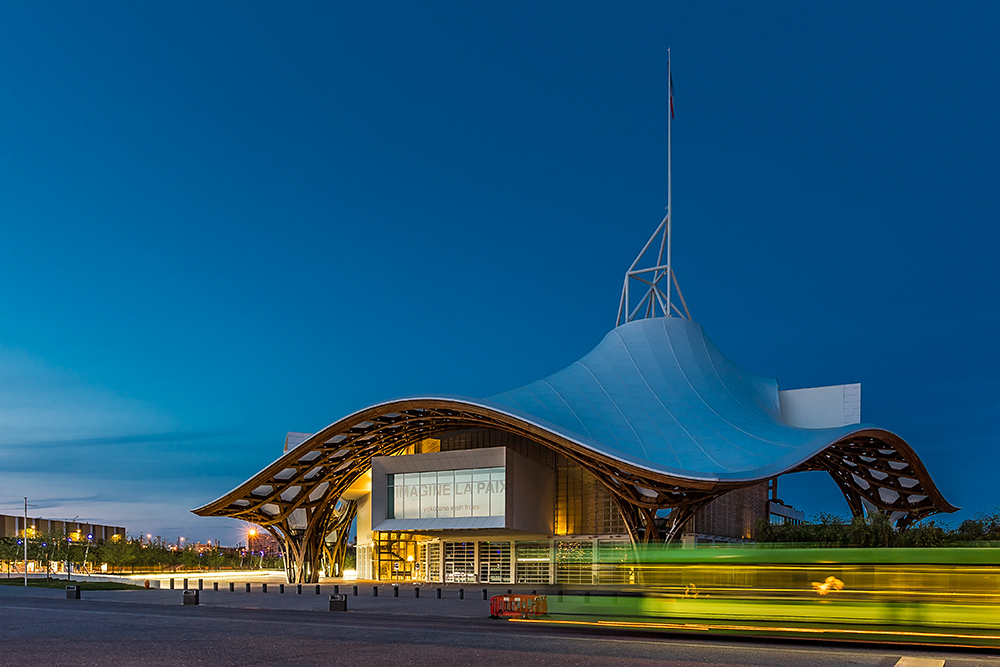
(653, 436)
(13, 526)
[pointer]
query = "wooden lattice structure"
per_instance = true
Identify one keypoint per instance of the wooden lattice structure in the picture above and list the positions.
(298, 498)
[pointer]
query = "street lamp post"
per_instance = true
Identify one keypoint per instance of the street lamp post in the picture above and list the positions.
(250, 535)
(86, 552)
(26, 506)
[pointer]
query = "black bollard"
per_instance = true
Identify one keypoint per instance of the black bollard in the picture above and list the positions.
(374, 591)
(317, 589)
(586, 596)
(355, 591)
(263, 588)
(508, 591)
(534, 592)
(336, 589)
(185, 587)
(484, 593)
(298, 589)
(560, 596)
(171, 584)
(215, 585)
(232, 586)
(248, 588)
(461, 593)
(416, 591)
(395, 591)
(439, 594)
(281, 588)
(201, 584)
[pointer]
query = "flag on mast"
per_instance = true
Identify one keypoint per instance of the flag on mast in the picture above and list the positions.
(670, 77)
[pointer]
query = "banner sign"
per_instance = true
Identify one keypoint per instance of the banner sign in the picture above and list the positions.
(446, 494)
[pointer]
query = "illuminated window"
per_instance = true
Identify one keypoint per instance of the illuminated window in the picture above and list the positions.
(446, 494)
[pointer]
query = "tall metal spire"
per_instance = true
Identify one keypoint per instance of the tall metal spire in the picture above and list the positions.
(647, 292)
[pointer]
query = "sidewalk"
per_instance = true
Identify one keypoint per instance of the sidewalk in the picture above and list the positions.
(603, 610)
(428, 604)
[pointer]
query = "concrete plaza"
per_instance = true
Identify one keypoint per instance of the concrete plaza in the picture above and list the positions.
(152, 627)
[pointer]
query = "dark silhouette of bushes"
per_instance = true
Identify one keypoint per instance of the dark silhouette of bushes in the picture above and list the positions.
(877, 530)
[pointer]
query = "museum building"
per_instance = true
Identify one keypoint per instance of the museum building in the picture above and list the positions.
(653, 436)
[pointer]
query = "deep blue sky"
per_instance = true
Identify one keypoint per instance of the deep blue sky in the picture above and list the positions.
(223, 221)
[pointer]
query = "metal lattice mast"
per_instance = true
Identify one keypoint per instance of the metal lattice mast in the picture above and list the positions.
(657, 281)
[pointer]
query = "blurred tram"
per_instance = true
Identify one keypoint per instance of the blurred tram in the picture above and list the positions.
(937, 595)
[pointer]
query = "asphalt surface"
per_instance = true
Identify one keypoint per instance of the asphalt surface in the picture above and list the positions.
(41, 627)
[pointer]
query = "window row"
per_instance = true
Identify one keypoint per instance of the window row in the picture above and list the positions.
(447, 494)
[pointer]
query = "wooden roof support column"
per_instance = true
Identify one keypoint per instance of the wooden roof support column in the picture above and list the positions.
(335, 551)
(680, 516)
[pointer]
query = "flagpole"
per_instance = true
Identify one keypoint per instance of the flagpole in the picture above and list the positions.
(670, 210)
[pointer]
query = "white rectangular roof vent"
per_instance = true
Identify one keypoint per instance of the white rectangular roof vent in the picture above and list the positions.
(821, 407)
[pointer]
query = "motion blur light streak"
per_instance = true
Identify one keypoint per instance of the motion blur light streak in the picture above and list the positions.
(831, 584)
(929, 595)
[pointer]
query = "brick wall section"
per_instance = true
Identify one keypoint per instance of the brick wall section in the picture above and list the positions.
(733, 515)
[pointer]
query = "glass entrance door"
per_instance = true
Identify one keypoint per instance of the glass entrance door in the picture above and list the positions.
(429, 566)
(460, 562)
(533, 562)
(494, 562)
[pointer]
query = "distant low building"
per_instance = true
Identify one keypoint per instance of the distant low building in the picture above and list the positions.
(780, 514)
(13, 526)
(259, 540)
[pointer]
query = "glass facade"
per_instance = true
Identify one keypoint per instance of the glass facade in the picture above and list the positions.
(428, 565)
(446, 494)
(575, 561)
(534, 562)
(460, 562)
(588, 542)
(494, 562)
(559, 561)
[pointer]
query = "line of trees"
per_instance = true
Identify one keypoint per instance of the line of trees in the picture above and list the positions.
(877, 530)
(128, 554)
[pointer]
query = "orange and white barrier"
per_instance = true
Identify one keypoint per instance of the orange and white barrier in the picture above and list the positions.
(524, 606)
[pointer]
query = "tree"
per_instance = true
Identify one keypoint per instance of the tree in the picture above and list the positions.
(983, 527)
(877, 530)
(116, 552)
(10, 551)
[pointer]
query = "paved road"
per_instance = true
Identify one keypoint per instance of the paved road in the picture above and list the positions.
(41, 627)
